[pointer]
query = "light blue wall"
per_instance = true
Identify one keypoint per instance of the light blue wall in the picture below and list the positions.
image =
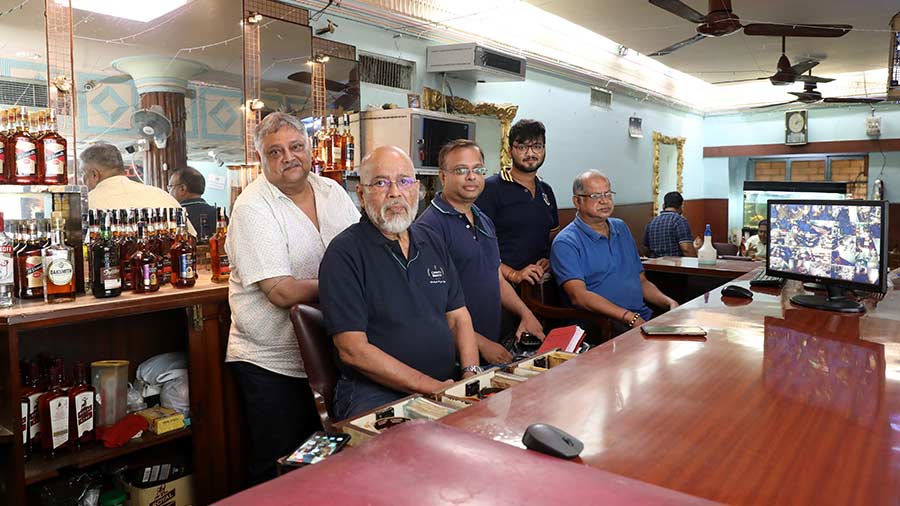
(213, 197)
(579, 137)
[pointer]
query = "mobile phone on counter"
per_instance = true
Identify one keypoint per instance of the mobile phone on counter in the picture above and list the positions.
(672, 331)
(317, 447)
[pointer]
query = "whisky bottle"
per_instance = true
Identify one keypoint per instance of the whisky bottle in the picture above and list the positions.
(7, 268)
(55, 414)
(106, 281)
(218, 257)
(317, 165)
(324, 140)
(24, 153)
(4, 140)
(81, 407)
(337, 140)
(53, 149)
(59, 265)
(144, 264)
(347, 146)
(34, 391)
(24, 400)
(183, 256)
(30, 267)
(165, 244)
(127, 247)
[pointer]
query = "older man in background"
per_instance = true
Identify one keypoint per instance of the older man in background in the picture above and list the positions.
(280, 226)
(391, 296)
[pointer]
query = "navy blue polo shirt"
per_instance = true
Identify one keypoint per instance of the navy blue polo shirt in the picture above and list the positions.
(473, 248)
(366, 285)
(609, 267)
(523, 222)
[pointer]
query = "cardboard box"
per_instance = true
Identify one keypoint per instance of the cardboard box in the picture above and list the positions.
(179, 492)
(162, 420)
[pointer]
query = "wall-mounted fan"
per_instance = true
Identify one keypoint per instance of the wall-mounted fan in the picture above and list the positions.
(151, 124)
(787, 73)
(721, 20)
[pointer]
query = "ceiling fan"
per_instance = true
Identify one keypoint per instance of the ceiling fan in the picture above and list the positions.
(810, 95)
(787, 73)
(720, 20)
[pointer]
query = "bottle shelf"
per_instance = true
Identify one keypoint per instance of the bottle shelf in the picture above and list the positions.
(41, 468)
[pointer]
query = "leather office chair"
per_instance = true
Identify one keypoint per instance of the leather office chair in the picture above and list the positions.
(725, 248)
(545, 301)
(317, 351)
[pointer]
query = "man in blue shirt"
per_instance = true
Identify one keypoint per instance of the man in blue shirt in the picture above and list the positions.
(472, 241)
(522, 207)
(391, 297)
(596, 262)
(669, 234)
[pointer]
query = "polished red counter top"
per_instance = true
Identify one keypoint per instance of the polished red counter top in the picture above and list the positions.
(779, 405)
(690, 265)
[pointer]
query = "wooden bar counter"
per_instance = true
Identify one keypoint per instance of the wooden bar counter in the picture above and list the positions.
(779, 405)
(684, 279)
(133, 327)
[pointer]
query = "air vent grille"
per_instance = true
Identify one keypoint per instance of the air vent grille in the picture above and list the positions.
(601, 98)
(22, 93)
(385, 71)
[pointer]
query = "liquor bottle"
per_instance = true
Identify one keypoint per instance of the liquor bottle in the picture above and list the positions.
(24, 400)
(23, 148)
(183, 255)
(144, 264)
(317, 165)
(347, 147)
(30, 267)
(106, 280)
(706, 255)
(7, 268)
(337, 140)
(165, 244)
(324, 141)
(53, 152)
(218, 257)
(127, 247)
(59, 265)
(35, 389)
(94, 222)
(55, 414)
(81, 407)
(4, 139)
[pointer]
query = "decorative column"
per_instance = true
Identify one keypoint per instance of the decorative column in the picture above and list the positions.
(162, 82)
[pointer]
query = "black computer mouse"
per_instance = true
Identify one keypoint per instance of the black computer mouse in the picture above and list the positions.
(548, 439)
(737, 291)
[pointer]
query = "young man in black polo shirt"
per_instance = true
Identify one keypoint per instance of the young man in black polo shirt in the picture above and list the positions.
(391, 297)
(522, 206)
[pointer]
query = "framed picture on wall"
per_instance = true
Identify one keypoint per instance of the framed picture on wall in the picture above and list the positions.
(413, 100)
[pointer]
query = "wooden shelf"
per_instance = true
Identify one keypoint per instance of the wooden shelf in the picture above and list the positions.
(41, 468)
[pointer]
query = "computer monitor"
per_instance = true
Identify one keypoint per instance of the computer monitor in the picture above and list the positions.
(838, 243)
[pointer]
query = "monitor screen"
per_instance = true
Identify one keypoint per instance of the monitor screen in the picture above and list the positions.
(838, 242)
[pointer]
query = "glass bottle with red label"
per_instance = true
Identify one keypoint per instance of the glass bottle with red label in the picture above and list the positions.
(25, 400)
(81, 407)
(24, 153)
(7, 267)
(144, 264)
(30, 267)
(55, 414)
(33, 392)
(218, 257)
(183, 255)
(4, 137)
(53, 152)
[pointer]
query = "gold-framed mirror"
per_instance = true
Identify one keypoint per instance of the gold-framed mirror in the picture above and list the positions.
(668, 167)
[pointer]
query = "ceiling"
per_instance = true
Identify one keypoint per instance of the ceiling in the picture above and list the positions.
(641, 26)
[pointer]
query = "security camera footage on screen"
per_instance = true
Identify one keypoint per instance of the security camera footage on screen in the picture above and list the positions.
(841, 242)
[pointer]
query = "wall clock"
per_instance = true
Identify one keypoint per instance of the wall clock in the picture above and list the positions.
(796, 128)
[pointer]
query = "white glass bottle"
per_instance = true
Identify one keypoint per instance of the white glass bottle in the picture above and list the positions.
(707, 253)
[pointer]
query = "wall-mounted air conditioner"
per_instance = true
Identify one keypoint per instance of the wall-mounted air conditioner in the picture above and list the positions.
(474, 63)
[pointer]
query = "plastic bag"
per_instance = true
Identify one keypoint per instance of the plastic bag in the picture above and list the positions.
(175, 392)
(150, 374)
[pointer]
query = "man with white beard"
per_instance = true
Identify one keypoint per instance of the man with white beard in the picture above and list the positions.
(391, 297)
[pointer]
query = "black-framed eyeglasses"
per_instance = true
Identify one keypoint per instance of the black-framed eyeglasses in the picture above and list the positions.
(464, 171)
(596, 197)
(537, 147)
(382, 185)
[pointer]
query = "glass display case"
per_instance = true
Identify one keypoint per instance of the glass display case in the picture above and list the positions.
(758, 193)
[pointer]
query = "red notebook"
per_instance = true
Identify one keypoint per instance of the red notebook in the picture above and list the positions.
(565, 338)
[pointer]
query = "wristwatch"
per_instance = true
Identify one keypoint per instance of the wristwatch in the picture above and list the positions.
(475, 369)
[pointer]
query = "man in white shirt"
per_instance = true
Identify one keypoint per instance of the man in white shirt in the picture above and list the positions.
(110, 188)
(280, 226)
(756, 245)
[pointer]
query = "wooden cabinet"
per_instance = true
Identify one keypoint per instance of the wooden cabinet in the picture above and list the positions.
(132, 327)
